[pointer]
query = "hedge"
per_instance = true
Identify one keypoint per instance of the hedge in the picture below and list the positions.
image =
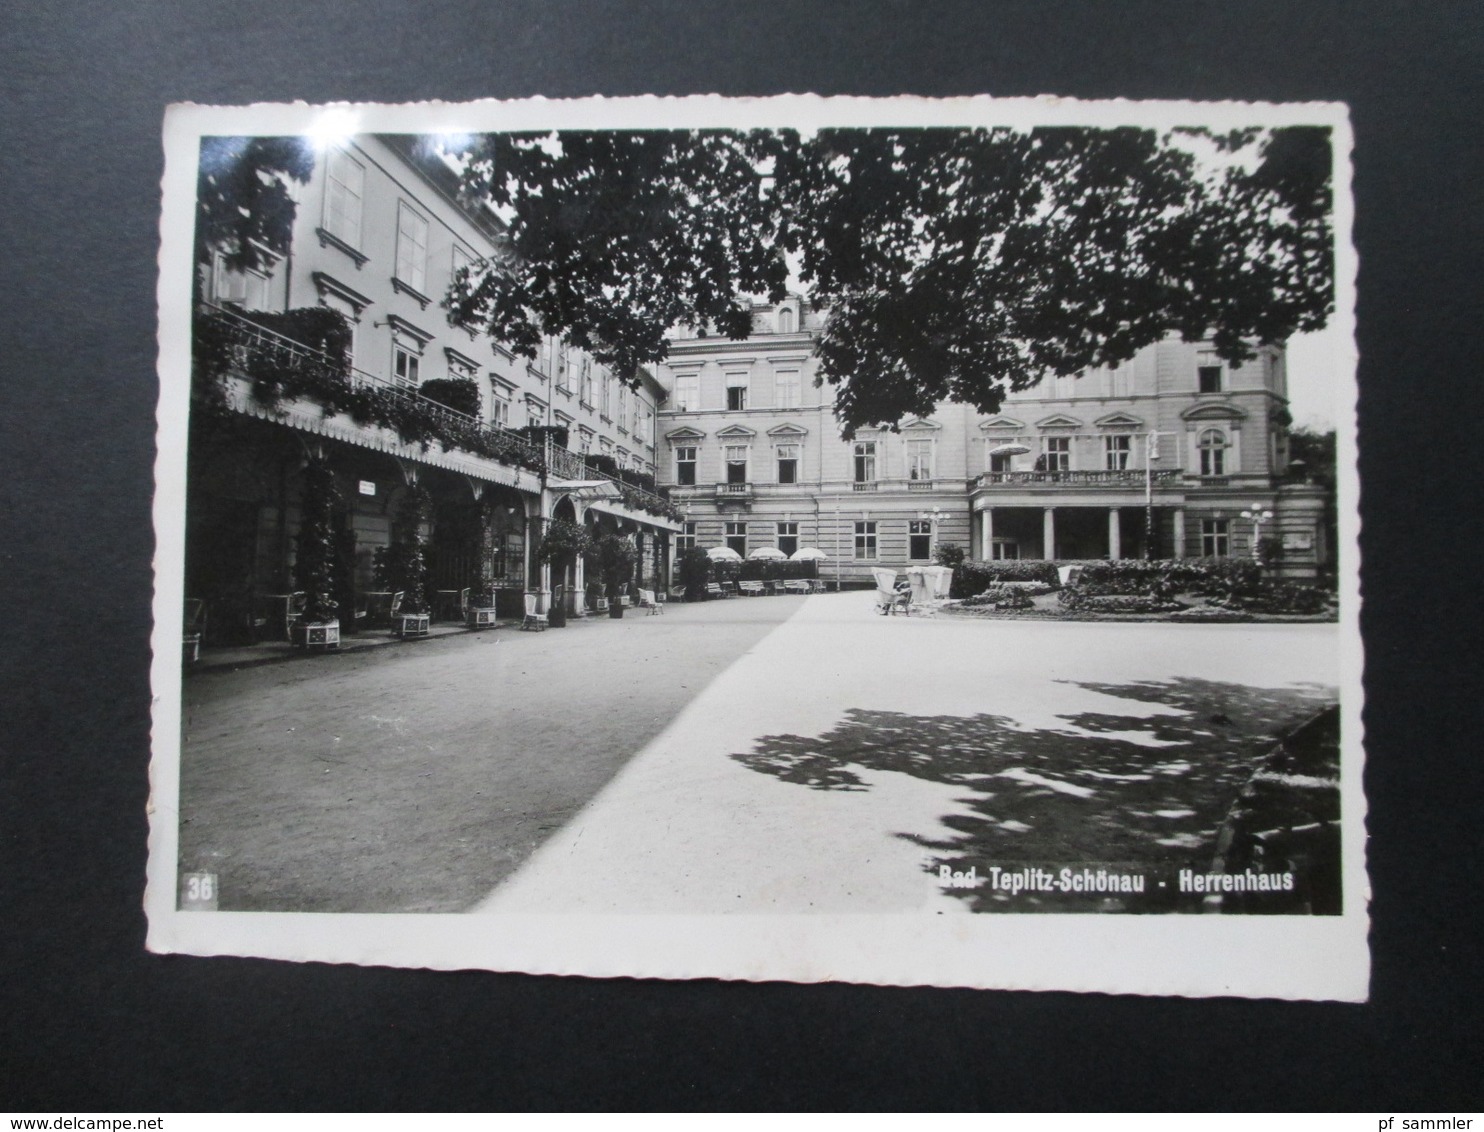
(1282, 598)
(1221, 576)
(1073, 597)
(973, 578)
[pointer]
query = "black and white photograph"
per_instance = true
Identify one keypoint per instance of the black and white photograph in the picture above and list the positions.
(893, 541)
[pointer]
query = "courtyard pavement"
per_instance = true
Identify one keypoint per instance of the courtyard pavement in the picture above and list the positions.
(776, 754)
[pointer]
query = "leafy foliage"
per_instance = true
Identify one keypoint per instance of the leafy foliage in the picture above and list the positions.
(315, 549)
(403, 564)
(616, 236)
(244, 203)
(461, 394)
(693, 568)
(617, 556)
(1206, 576)
(950, 554)
(563, 542)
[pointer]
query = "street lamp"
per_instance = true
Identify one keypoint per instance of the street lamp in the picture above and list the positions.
(1151, 454)
(1257, 515)
(933, 517)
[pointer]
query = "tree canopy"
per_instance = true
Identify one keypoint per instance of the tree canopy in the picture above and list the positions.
(954, 264)
(244, 204)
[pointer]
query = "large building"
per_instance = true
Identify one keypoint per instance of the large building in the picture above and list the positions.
(1161, 456)
(378, 234)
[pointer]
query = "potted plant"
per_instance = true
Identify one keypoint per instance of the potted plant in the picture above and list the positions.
(403, 566)
(318, 626)
(617, 555)
(561, 543)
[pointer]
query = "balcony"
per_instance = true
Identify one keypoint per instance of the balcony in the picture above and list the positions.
(279, 367)
(1125, 478)
(733, 493)
(863, 485)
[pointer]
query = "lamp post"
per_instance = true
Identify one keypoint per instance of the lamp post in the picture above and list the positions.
(933, 517)
(1151, 454)
(1257, 515)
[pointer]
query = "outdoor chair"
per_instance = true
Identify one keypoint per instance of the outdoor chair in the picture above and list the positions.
(193, 628)
(648, 603)
(533, 619)
(714, 589)
(751, 589)
(888, 599)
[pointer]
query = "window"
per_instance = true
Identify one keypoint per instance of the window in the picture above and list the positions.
(737, 391)
(687, 391)
(687, 536)
(563, 370)
(1000, 461)
(623, 407)
(1212, 447)
(920, 540)
(406, 362)
(1057, 453)
(535, 415)
(345, 182)
(788, 463)
(248, 289)
(584, 439)
(607, 394)
(1208, 372)
(865, 539)
(786, 321)
(352, 315)
(736, 460)
(412, 248)
(685, 465)
(788, 538)
(1116, 452)
(865, 461)
(585, 383)
(499, 410)
(788, 389)
(737, 537)
(1215, 538)
(919, 459)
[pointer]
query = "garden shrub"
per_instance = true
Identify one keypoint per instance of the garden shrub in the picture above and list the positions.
(1203, 576)
(1281, 598)
(1075, 597)
(775, 570)
(972, 578)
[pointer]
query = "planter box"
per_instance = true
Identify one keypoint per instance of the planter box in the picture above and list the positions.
(480, 617)
(315, 635)
(410, 625)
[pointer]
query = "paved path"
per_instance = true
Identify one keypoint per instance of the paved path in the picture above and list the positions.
(414, 778)
(847, 755)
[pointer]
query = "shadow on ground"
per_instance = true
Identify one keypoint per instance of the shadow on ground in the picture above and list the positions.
(1145, 790)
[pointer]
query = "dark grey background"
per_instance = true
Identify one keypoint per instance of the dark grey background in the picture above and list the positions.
(89, 1021)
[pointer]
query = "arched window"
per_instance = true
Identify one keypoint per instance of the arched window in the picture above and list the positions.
(1213, 446)
(786, 320)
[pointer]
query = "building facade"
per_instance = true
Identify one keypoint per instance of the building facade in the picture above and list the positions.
(1176, 454)
(378, 236)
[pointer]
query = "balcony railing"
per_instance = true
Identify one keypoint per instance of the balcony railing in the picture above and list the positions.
(1127, 477)
(308, 373)
(863, 485)
(733, 490)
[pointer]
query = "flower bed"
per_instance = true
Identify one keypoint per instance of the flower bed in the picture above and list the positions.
(1283, 598)
(1074, 597)
(999, 597)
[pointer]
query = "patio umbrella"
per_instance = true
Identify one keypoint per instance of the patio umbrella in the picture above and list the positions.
(770, 552)
(723, 554)
(1010, 450)
(808, 554)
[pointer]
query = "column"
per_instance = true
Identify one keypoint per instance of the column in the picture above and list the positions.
(1115, 546)
(1048, 533)
(986, 538)
(1178, 514)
